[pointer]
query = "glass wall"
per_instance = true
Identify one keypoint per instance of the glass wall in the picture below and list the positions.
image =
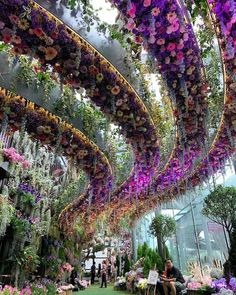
(197, 238)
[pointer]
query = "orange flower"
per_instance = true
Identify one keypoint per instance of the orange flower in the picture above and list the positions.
(115, 90)
(50, 53)
(16, 51)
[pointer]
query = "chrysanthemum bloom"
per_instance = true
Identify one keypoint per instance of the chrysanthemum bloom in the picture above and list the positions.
(50, 53)
(23, 24)
(155, 11)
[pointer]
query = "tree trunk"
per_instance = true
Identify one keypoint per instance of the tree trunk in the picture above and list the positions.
(160, 247)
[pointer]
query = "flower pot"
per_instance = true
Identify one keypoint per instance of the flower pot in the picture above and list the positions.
(68, 292)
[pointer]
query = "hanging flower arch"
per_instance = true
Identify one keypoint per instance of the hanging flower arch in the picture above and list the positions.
(223, 147)
(41, 125)
(35, 32)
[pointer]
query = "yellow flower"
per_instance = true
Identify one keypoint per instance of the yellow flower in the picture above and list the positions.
(99, 77)
(23, 24)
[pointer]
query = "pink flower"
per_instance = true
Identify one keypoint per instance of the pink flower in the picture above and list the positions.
(171, 46)
(155, 11)
(180, 55)
(130, 24)
(14, 18)
(160, 41)
(172, 28)
(180, 46)
(141, 28)
(131, 12)
(26, 164)
(172, 17)
(147, 3)
(185, 37)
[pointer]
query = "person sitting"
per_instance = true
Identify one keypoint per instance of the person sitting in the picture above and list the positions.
(172, 278)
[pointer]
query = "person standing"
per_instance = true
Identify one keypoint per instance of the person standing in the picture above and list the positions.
(99, 270)
(104, 274)
(93, 273)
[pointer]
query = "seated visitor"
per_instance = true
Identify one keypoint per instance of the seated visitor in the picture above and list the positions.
(172, 278)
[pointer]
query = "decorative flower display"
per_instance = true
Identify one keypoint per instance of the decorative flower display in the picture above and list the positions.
(162, 28)
(223, 145)
(33, 31)
(12, 156)
(49, 130)
(25, 187)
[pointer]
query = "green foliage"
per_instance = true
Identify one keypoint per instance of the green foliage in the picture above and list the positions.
(142, 250)
(146, 266)
(27, 198)
(6, 213)
(162, 226)
(152, 258)
(21, 226)
(220, 206)
(28, 259)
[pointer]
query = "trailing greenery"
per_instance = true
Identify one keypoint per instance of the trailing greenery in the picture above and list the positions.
(6, 213)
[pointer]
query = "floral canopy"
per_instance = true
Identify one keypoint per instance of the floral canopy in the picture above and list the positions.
(164, 30)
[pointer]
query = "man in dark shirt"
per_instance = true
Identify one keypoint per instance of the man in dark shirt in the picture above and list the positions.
(172, 278)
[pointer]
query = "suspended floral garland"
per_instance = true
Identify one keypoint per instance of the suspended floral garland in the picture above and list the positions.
(163, 30)
(223, 147)
(224, 15)
(33, 31)
(50, 130)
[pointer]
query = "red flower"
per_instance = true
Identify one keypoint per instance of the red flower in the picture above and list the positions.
(38, 32)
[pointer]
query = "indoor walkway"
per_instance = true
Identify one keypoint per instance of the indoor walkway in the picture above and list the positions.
(95, 290)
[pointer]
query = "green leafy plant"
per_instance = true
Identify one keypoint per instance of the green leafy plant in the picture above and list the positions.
(220, 207)
(162, 227)
(6, 213)
(28, 259)
(20, 225)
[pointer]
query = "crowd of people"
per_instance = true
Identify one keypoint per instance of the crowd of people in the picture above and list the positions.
(170, 282)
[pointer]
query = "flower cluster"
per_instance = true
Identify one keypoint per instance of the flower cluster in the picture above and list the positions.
(67, 267)
(32, 31)
(142, 284)
(25, 187)
(13, 156)
(72, 142)
(223, 146)
(162, 29)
